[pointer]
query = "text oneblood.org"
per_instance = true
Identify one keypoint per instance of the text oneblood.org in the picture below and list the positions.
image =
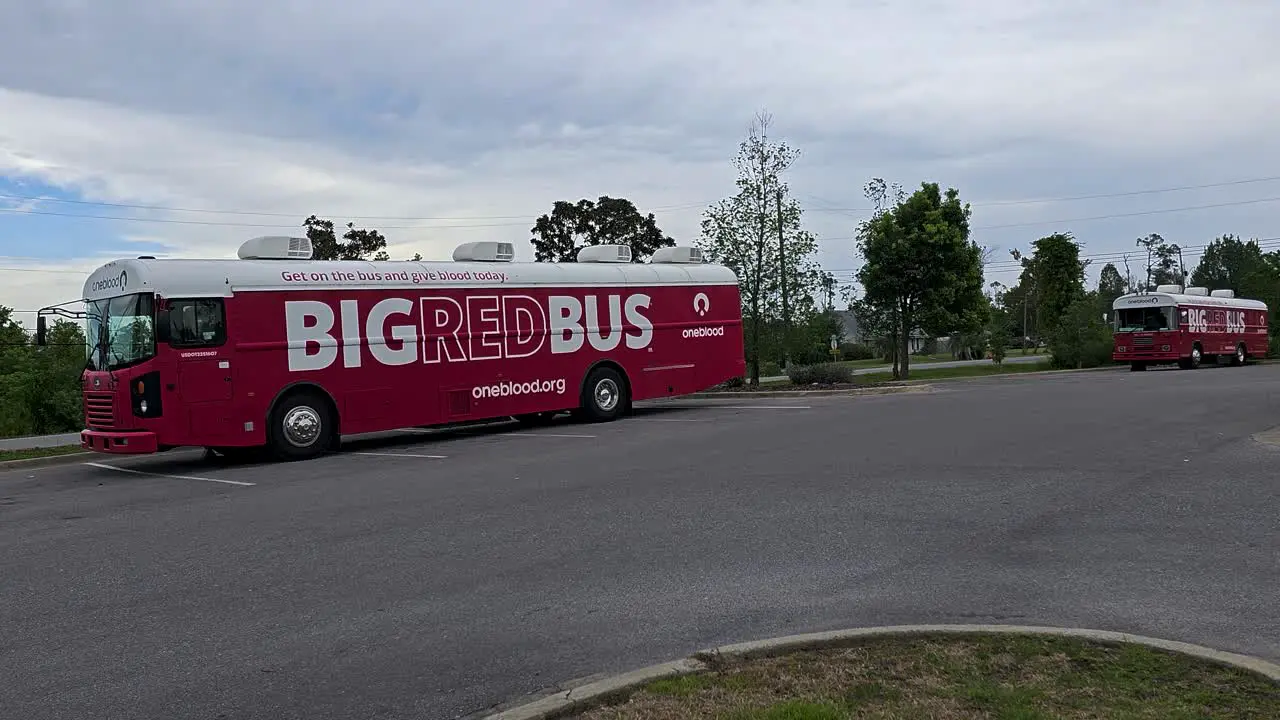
(508, 388)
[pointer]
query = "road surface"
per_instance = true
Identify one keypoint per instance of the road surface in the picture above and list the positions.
(437, 574)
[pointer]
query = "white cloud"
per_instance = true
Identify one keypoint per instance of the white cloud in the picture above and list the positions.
(497, 109)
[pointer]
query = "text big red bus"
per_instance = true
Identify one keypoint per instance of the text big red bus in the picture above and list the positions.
(1172, 326)
(277, 350)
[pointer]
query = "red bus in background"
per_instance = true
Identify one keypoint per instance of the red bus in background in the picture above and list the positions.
(277, 350)
(1173, 326)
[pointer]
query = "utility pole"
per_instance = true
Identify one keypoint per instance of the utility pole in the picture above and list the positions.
(782, 273)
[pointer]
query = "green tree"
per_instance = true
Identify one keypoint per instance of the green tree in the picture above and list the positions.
(569, 227)
(356, 244)
(1229, 263)
(1057, 273)
(1111, 285)
(1081, 339)
(919, 260)
(1164, 262)
(758, 233)
(40, 386)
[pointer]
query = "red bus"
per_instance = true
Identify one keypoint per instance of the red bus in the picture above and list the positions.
(279, 351)
(1172, 326)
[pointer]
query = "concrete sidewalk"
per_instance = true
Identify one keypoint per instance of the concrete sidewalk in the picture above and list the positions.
(39, 441)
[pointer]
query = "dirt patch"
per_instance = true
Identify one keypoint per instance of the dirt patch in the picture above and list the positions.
(958, 678)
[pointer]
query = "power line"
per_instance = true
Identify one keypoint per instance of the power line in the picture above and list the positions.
(210, 211)
(1076, 198)
(527, 218)
(214, 223)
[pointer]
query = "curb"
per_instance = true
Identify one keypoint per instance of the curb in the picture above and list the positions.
(593, 693)
(46, 461)
(886, 390)
(904, 387)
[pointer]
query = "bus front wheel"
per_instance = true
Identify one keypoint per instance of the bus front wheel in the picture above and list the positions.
(1193, 362)
(604, 395)
(301, 427)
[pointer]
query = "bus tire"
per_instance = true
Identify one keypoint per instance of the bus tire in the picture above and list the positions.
(301, 426)
(1193, 362)
(1241, 357)
(604, 395)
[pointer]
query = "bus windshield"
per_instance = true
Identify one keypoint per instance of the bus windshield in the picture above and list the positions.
(1145, 319)
(121, 331)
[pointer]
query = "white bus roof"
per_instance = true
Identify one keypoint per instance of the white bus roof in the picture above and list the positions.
(222, 278)
(1158, 299)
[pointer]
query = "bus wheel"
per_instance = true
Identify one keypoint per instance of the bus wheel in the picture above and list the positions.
(1240, 358)
(1193, 362)
(604, 396)
(300, 427)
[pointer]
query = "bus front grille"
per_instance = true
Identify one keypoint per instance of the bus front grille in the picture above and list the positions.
(99, 410)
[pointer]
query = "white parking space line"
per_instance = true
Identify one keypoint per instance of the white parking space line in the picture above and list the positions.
(104, 466)
(742, 407)
(542, 434)
(649, 419)
(394, 454)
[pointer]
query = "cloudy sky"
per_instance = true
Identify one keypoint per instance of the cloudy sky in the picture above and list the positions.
(182, 129)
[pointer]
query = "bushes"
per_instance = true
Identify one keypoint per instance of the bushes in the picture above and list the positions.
(856, 351)
(1273, 350)
(1081, 339)
(820, 374)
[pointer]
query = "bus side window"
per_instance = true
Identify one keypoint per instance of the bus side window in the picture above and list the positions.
(197, 323)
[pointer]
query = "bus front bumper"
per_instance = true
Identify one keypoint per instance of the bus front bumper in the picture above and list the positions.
(119, 443)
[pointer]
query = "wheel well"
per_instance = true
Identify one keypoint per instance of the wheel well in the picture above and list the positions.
(626, 381)
(299, 388)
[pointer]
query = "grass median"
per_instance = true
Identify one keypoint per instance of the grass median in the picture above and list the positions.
(994, 677)
(32, 453)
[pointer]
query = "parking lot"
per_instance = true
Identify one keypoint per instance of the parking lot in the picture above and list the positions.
(435, 573)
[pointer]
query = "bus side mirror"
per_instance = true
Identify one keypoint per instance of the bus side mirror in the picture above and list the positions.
(42, 331)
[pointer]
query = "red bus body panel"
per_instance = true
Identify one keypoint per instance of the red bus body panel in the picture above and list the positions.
(1218, 328)
(407, 357)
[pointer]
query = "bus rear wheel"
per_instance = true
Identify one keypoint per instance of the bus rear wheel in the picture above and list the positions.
(604, 395)
(1241, 356)
(301, 427)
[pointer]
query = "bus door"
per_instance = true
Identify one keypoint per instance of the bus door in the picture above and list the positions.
(204, 386)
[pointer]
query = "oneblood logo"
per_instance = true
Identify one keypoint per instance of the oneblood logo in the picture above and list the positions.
(507, 389)
(440, 329)
(119, 282)
(704, 332)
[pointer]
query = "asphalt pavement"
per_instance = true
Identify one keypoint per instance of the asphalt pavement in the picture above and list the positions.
(433, 575)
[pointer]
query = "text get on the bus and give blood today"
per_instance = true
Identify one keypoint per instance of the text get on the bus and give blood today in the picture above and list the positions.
(479, 327)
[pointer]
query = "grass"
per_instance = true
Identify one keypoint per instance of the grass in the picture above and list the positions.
(988, 368)
(936, 357)
(7, 455)
(993, 677)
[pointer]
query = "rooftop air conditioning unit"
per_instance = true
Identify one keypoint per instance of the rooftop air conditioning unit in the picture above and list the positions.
(1171, 289)
(605, 254)
(677, 255)
(276, 247)
(1228, 294)
(485, 251)
(1197, 291)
